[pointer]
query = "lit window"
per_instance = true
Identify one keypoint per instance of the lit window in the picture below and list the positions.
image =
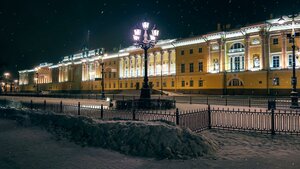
(275, 61)
(200, 83)
(276, 81)
(200, 66)
(191, 67)
(256, 63)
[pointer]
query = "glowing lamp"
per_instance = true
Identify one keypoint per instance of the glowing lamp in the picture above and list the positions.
(155, 32)
(145, 25)
(137, 32)
(152, 37)
(136, 38)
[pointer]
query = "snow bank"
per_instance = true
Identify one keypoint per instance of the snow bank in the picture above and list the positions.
(147, 139)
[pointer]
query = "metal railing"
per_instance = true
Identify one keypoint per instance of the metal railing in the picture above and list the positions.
(266, 121)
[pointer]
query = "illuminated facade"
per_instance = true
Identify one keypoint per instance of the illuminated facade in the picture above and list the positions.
(256, 59)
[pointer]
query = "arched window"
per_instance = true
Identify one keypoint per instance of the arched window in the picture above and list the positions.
(236, 47)
(235, 82)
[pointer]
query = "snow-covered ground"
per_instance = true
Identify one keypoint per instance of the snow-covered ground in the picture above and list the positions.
(34, 148)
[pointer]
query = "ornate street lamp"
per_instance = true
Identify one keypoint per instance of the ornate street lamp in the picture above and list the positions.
(294, 93)
(145, 41)
(102, 81)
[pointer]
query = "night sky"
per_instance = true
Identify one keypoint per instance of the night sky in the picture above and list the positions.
(32, 32)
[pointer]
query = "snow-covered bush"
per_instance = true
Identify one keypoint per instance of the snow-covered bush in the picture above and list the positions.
(138, 138)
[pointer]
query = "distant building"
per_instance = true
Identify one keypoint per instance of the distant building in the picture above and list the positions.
(255, 59)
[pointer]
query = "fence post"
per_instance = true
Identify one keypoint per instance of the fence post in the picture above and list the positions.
(44, 104)
(60, 107)
(209, 117)
(177, 116)
(190, 99)
(123, 97)
(31, 105)
(225, 100)
(207, 100)
(101, 115)
(78, 108)
(249, 101)
(113, 96)
(272, 122)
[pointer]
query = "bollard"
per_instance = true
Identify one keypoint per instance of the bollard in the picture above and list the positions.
(209, 117)
(101, 115)
(78, 109)
(44, 104)
(60, 107)
(272, 122)
(177, 116)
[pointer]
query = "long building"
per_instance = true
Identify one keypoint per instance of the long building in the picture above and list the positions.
(256, 59)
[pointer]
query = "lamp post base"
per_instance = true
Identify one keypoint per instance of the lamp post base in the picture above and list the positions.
(294, 100)
(145, 93)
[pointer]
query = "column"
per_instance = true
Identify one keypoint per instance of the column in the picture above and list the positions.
(247, 39)
(209, 57)
(283, 50)
(221, 56)
(169, 62)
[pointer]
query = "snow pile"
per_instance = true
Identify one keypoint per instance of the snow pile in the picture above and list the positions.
(147, 139)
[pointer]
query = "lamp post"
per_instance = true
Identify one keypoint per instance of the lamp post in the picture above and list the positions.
(37, 82)
(294, 93)
(145, 44)
(102, 81)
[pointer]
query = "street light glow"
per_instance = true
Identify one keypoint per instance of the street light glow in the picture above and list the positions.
(145, 25)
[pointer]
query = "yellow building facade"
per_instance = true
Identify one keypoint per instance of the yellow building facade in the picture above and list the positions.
(256, 59)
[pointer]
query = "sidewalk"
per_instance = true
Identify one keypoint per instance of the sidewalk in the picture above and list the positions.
(34, 148)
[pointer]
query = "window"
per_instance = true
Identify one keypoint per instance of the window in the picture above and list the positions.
(191, 83)
(200, 83)
(172, 83)
(114, 85)
(200, 50)
(275, 41)
(131, 85)
(126, 85)
(235, 82)
(157, 84)
(290, 60)
(200, 66)
(256, 63)
(120, 85)
(114, 74)
(276, 81)
(215, 65)
(182, 83)
(275, 61)
(182, 52)
(191, 51)
(191, 67)
(182, 68)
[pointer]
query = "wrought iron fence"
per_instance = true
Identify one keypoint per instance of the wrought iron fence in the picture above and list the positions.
(267, 121)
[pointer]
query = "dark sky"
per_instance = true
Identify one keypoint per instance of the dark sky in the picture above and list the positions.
(32, 32)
